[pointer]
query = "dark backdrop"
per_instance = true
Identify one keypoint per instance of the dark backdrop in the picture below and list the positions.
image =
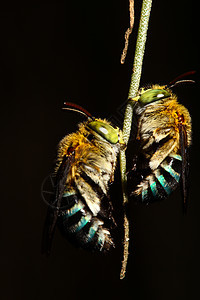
(70, 50)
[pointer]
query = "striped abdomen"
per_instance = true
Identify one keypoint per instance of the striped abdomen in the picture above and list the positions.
(160, 182)
(81, 227)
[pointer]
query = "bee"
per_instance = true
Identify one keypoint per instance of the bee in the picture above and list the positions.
(80, 207)
(164, 136)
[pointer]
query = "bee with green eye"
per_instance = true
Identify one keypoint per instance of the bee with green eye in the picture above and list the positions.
(86, 162)
(164, 136)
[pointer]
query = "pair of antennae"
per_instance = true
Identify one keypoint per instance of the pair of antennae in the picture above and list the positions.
(77, 108)
(176, 81)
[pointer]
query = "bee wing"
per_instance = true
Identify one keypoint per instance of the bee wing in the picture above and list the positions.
(54, 207)
(185, 165)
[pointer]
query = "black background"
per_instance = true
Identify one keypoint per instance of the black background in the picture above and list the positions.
(59, 50)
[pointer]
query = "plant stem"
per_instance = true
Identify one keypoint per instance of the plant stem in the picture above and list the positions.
(134, 86)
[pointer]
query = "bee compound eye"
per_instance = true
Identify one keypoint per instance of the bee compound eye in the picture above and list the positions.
(153, 95)
(105, 130)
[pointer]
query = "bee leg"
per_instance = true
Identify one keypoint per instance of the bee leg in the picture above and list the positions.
(148, 142)
(112, 173)
(139, 129)
(161, 133)
(162, 153)
(87, 192)
(157, 136)
(134, 168)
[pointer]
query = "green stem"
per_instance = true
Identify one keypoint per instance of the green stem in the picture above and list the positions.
(134, 86)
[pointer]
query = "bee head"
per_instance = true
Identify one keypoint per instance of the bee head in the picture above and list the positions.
(151, 95)
(101, 127)
(156, 92)
(105, 130)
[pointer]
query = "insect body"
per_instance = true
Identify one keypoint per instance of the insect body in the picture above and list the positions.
(164, 135)
(86, 163)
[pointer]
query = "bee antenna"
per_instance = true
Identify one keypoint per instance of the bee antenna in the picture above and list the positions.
(177, 80)
(181, 82)
(77, 108)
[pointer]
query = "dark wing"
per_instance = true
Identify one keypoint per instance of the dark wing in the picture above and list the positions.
(55, 205)
(185, 165)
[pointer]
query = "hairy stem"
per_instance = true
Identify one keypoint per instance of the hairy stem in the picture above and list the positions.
(134, 86)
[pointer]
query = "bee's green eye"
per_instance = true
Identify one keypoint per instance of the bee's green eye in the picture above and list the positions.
(153, 95)
(105, 130)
